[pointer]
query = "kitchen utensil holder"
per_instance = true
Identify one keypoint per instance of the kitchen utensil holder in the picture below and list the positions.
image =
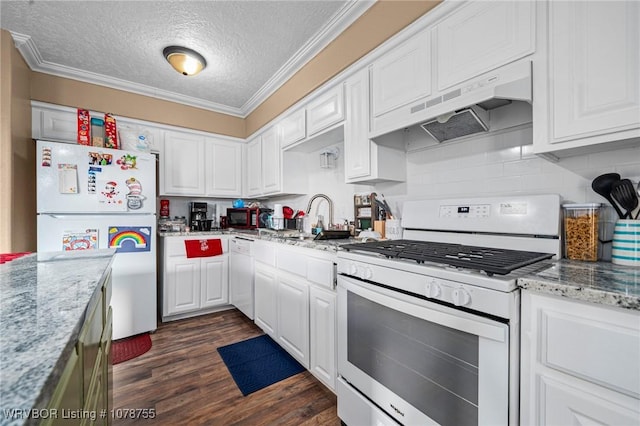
(626, 243)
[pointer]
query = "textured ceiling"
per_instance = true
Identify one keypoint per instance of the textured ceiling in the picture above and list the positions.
(251, 47)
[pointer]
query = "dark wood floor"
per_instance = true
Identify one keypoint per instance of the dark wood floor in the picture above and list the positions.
(184, 379)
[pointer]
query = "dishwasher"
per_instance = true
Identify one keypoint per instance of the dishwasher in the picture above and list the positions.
(241, 275)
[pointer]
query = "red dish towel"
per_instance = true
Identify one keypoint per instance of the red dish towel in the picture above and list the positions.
(203, 248)
(8, 257)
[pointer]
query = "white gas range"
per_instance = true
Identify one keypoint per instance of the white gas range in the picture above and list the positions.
(428, 326)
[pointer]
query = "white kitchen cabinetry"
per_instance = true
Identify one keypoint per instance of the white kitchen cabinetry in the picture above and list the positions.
(400, 78)
(579, 362)
(293, 127)
(192, 286)
(293, 316)
(589, 90)
(263, 164)
(322, 314)
(183, 164)
(54, 124)
(195, 165)
(316, 124)
(270, 171)
(365, 160)
(325, 110)
(295, 304)
(266, 302)
(481, 36)
(223, 168)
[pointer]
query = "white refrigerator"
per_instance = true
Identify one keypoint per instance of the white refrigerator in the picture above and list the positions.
(89, 198)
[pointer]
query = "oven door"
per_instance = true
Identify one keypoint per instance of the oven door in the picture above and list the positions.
(421, 362)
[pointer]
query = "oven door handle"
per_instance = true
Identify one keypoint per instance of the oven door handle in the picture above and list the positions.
(437, 314)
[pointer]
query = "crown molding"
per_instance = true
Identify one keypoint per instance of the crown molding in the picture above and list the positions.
(341, 20)
(346, 16)
(32, 56)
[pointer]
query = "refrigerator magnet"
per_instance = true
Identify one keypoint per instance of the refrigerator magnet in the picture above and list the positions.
(100, 158)
(130, 239)
(127, 162)
(67, 178)
(135, 198)
(111, 195)
(46, 156)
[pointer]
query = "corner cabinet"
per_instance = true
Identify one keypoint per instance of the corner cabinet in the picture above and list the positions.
(270, 170)
(589, 93)
(192, 286)
(579, 362)
(365, 160)
(196, 165)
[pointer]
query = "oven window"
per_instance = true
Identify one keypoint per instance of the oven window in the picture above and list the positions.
(434, 368)
(237, 217)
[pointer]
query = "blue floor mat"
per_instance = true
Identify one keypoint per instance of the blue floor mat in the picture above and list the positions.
(257, 363)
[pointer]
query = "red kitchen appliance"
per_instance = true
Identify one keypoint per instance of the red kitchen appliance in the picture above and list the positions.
(247, 218)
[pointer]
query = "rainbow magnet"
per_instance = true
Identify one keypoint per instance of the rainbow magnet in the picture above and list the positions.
(130, 239)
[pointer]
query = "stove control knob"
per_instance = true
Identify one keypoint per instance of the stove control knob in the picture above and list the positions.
(461, 297)
(367, 273)
(433, 289)
(353, 269)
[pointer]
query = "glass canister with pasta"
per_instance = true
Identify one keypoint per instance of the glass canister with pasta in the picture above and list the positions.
(580, 224)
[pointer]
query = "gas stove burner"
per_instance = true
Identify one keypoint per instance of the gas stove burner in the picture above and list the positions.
(490, 260)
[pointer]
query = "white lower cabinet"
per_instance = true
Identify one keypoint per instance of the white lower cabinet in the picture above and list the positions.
(266, 302)
(295, 304)
(322, 332)
(192, 286)
(579, 363)
(293, 316)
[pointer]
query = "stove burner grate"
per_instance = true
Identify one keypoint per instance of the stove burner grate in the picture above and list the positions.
(490, 260)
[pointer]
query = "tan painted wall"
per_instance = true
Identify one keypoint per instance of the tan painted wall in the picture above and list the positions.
(73, 93)
(381, 21)
(17, 153)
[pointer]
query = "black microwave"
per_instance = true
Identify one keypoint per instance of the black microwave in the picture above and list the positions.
(248, 218)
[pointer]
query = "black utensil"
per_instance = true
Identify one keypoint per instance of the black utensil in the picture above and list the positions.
(602, 185)
(624, 193)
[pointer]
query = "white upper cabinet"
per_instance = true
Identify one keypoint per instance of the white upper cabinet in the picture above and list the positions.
(293, 128)
(254, 167)
(271, 162)
(588, 92)
(195, 165)
(399, 78)
(223, 168)
(365, 160)
(54, 125)
(481, 36)
(325, 111)
(183, 164)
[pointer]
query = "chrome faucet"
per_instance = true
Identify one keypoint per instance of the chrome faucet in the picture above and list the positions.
(330, 207)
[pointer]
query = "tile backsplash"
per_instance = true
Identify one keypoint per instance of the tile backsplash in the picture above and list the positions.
(504, 164)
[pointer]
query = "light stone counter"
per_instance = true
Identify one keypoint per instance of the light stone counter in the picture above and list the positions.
(275, 236)
(43, 303)
(596, 282)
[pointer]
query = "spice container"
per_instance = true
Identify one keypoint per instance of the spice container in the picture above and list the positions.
(581, 222)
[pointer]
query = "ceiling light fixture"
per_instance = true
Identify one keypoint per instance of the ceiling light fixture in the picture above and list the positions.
(184, 60)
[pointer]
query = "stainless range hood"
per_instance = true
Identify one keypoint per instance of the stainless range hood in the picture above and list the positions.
(471, 107)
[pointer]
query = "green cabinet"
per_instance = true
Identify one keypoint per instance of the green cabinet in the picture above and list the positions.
(84, 392)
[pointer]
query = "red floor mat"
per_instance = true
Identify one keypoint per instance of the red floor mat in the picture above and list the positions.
(130, 347)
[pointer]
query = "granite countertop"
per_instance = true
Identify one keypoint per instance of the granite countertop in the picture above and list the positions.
(282, 237)
(43, 303)
(597, 282)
